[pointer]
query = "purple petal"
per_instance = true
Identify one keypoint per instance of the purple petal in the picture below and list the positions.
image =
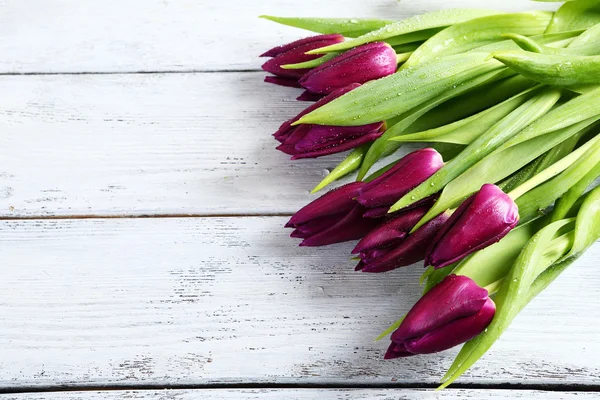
(337, 201)
(350, 227)
(359, 65)
(308, 96)
(454, 333)
(409, 251)
(338, 148)
(277, 80)
(454, 298)
(483, 219)
(317, 42)
(406, 174)
(390, 231)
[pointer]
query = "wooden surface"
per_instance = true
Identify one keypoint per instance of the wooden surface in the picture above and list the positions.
(308, 394)
(209, 293)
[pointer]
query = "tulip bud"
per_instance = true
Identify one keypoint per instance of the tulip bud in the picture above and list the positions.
(359, 65)
(414, 168)
(310, 141)
(481, 220)
(389, 246)
(332, 218)
(293, 53)
(453, 312)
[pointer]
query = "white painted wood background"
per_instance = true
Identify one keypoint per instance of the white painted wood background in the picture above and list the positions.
(210, 291)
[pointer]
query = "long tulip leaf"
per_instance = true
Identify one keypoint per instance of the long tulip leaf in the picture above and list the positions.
(543, 195)
(578, 109)
(586, 44)
(568, 201)
(544, 161)
(508, 300)
(519, 289)
(411, 37)
(409, 25)
(349, 27)
(468, 129)
(499, 257)
(350, 164)
(399, 93)
(553, 69)
(528, 112)
(383, 146)
(499, 165)
(474, 33)
(587, 228)
(310, 64)
(480, 98)
(391, 329)
(581, 14)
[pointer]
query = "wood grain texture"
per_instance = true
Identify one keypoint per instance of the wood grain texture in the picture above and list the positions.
(305, 394)
(149, 144)
(233, 300)
(173, 35)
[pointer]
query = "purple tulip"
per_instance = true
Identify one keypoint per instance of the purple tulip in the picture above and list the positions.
(411, 170)
(454, 311)
(389, 247)
(293, 53)
(310, 141)
(332, 218)
(481, 220)
(359, 65)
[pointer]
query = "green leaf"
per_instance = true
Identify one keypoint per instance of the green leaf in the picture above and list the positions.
(401, 92)
(437, 276)
(578, 109)
(587, 40)
(568, 201)
(349, 164)
(380, 171)
(312, 63)
(499, 257)
(383, 147)
(409, 25)
(499, 165)
(516, 294)
(461, 37)
(479, 98)
(584, 160)
(559, 70)
(509, 300)
(587, 231)
(468, 129)
(581, 14)
(531, 110)
(586, 44)
(587, 228)
(544, 161)
(391, 329)
(418, 36)
(349, 27)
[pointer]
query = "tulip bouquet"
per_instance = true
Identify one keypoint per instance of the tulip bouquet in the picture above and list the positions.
(501, 197)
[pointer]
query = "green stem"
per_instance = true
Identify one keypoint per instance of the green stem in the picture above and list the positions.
(400, 58)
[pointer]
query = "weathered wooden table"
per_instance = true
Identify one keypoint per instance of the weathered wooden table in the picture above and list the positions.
(141, 239)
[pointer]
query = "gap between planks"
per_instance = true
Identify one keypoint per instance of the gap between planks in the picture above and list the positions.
(143, 72)
(141, 216)
(594, 388)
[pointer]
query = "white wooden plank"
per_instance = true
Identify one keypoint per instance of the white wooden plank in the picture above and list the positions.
(304, 394)
(161, 35)
(149, 144)
(230, 300)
